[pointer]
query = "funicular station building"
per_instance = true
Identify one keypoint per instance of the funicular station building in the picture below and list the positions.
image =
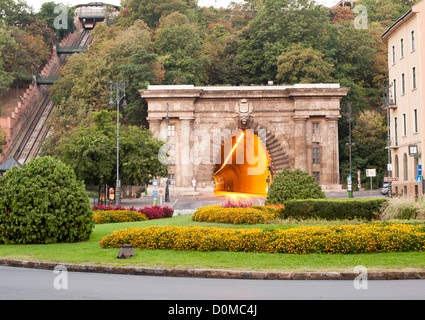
(238, 138)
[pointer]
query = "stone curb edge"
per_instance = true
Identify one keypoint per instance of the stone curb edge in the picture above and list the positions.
(217, 273)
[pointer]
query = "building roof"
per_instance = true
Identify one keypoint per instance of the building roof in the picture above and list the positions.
(247, 88)
(9, 164)
(396, 24)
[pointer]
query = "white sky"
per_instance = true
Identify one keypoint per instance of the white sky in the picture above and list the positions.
(36, 4)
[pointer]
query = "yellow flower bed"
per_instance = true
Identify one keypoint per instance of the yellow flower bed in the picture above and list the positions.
(111, 216)
(365, 238)
(250, 215)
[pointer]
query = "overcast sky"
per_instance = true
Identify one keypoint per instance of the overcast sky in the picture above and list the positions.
(36, 4)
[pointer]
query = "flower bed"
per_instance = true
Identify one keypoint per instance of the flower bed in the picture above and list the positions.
(119, 214)
(112, 216)
(249, 215)
(365, 238)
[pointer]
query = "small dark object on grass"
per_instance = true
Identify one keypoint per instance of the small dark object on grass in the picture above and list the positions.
(126, 251)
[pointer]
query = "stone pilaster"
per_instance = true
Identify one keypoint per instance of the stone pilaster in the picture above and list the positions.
(300, 147)
(330, 152)
(183, 164)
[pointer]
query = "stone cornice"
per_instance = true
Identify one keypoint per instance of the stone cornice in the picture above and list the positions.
(272, 92)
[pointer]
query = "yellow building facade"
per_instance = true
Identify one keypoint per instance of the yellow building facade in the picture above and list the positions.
(406, 58)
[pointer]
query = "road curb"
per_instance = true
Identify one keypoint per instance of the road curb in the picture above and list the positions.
(217, 273)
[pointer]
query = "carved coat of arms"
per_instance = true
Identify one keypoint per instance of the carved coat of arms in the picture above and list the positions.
(244, 111)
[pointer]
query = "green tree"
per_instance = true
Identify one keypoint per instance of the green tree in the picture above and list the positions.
(90, 150)
(293, 184)
(6, 41)
(370, 133)
(139, 72)
(278, 25)
(86, 76)
(179, 45)
(385, 11)
(43, 202)
(151, 11)
(303, 65)
(15, 13)
(47, 13)
(26, 54)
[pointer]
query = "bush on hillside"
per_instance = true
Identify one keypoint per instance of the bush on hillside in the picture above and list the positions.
(293, 184)
(44, 203)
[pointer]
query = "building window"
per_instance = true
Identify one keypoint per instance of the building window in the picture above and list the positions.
(316, 153)
(415, 119)
(395, 91)
(403, 84)
(405, 167)
(401, 48)
(171, 130)
(414, 77)
(404, 125)
(315, 127)
(397, 169)
(393, 54)
(413, 39)
(317, 176)
(395, 131)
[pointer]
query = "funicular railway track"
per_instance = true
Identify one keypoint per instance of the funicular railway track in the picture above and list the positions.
(29, 143)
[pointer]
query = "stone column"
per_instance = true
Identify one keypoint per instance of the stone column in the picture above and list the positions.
(330, 156)
(184, 167)
(300, 147)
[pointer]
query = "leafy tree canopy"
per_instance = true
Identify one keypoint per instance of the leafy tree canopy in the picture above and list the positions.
(90, 149)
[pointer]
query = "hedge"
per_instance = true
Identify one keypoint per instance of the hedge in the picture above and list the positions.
(332, 209)
(249, 215)
(365, 238)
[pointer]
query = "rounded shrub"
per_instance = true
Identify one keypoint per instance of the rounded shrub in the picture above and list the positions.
(293, 184)
(44, 203)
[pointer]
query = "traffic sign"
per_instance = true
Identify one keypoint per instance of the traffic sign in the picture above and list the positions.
(155, 183)
(418, 179)
(370, 172)
(388, 179)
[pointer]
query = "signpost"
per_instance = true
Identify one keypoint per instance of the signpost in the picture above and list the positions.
(349, 186)
(390, 179)
(155, 192)
(371, 173)
(419, 174)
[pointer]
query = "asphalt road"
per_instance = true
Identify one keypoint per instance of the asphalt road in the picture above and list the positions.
(30, 284)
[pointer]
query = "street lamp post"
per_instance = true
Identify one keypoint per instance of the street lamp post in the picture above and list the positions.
(350, 145)
(388, 101)
(118, 86)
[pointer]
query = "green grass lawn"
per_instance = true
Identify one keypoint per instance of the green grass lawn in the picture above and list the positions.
(89, 252)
